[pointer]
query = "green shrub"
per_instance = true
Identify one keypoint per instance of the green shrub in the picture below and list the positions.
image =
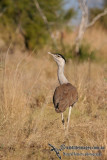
(85, 52)
(24, 15)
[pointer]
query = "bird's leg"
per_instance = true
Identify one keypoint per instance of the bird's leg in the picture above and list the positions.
(69, 117)
(63, 122)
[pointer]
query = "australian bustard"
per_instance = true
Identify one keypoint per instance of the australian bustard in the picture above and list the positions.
(66, 94)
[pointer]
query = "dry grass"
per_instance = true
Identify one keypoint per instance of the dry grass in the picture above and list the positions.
(28, 121)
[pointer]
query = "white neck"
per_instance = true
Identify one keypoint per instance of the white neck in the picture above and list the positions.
(61, 77)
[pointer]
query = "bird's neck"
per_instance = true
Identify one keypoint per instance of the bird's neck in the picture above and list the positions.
(61, 77)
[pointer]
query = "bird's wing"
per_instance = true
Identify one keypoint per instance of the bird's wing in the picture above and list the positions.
(64, 96)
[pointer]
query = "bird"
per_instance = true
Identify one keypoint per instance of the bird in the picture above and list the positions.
(65, 95)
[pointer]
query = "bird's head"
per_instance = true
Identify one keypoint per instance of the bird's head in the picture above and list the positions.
(59, 59)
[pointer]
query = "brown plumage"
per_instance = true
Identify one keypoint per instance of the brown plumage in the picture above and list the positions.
(64, 96)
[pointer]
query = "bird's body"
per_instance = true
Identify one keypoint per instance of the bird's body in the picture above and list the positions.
(64, 96)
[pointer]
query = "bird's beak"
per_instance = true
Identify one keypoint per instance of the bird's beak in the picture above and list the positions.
(53, 55)
(50, 53)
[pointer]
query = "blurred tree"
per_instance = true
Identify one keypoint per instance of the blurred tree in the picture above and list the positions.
(24, 15)
(95, 11)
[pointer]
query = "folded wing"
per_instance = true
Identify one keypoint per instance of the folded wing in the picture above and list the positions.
(65, 95)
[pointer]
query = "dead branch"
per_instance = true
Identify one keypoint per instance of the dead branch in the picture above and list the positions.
(97, 18)
(45, 21)
(83, 24)
(41, 12)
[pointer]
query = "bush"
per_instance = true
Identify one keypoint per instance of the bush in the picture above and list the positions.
(85, 52)
(24, 15)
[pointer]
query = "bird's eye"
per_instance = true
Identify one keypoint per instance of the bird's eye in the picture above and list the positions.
(58, 56)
